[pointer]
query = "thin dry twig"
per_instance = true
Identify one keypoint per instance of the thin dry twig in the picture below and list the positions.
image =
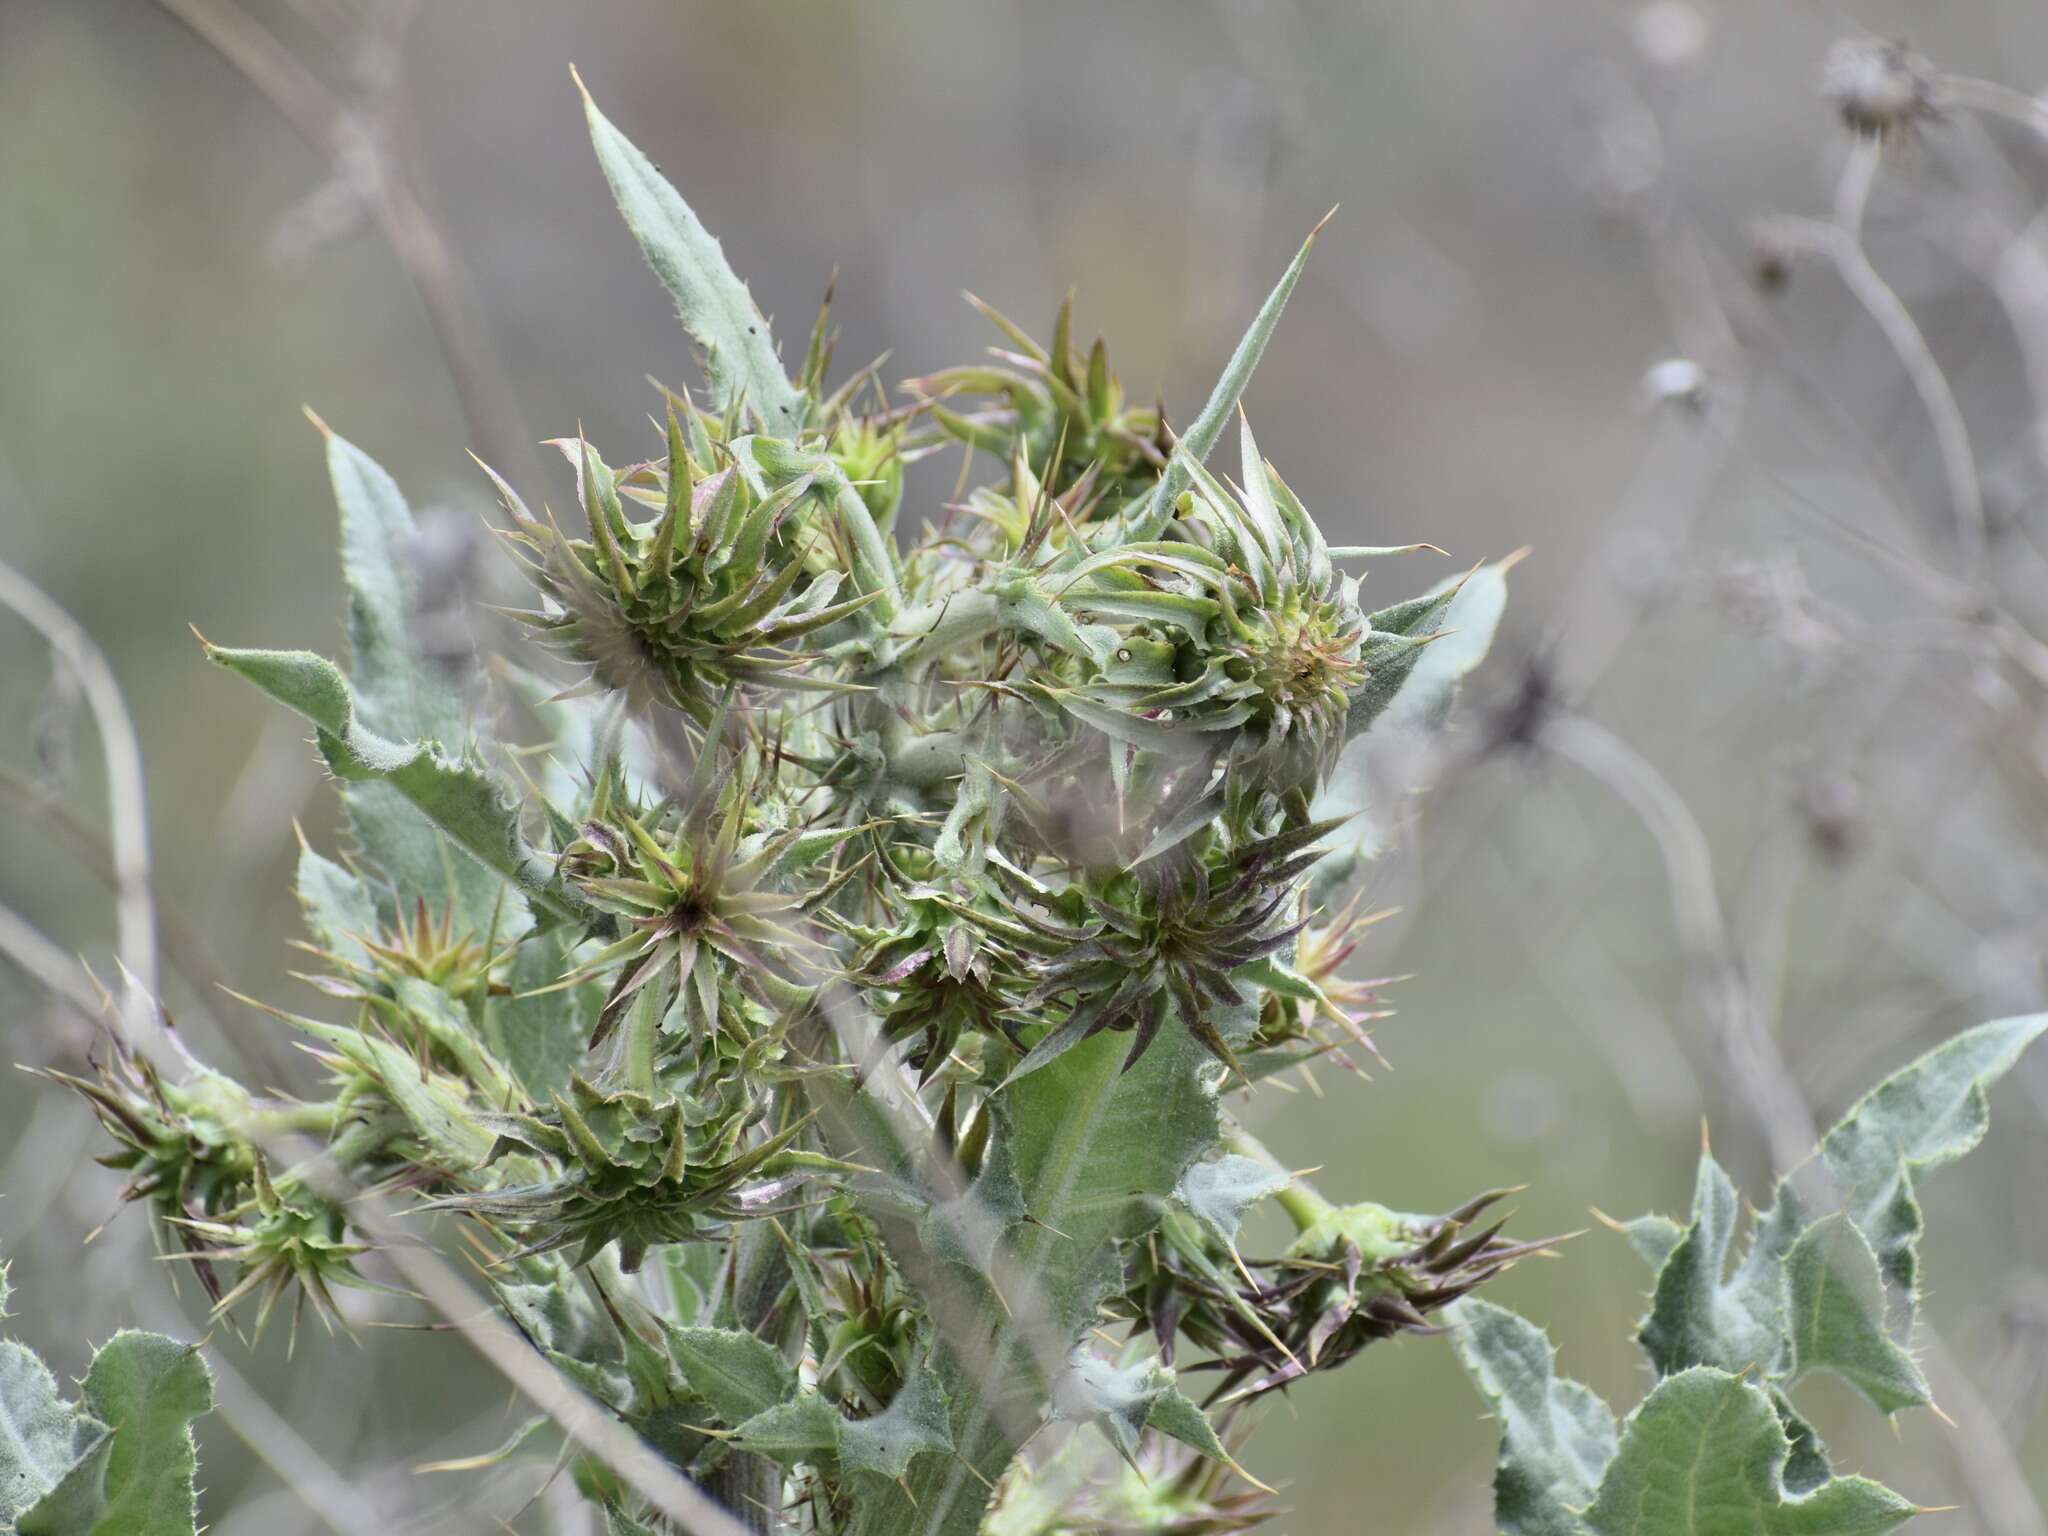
(127, 796)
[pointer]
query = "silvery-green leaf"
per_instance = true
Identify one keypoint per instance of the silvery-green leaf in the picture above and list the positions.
(398, 695)
(1218, 1193)
(1174, 1413)
(1653, 1237)
(738, 1374)
(806, 1428)
(1705, 1455)
(1202, 434)
(915, 1420)
(339, 909)
(467, 815)
(1557, 1436)
(1116, 1399)
(541, 1038)
(714, 305)
(41, 1435)
(137, 1478)
(1836, 1301)
(1923, 1116)
(1398, 710)
(1701, 1313)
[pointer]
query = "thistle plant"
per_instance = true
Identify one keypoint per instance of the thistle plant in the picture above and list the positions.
(834, 1018)
(838, 1036)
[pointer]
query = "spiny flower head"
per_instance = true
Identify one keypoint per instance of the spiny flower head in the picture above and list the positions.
(636, 1172)
(703, 893)
(1067, 413)
(1247, 640)
(1311, 1005)
(1172, 937)
(710, 594)
(1357, 1274)
(944, 967)
(184, 1145)
(279, 1241)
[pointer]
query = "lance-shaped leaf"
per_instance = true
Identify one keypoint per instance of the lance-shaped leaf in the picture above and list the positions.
(1556, 1435)
(540, 1033)
(1923, 1116)
(714, 305)
(806, 1428)
(1202, 434)
(461, 799)
(1700, 1313)
(1835, 1298)
(398, 694)
(1705, 1455)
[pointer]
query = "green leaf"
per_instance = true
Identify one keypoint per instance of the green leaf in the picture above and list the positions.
(1201, 436)
(398, 695)
(41, 1435)
(1174, 1413)
(1116, 1399)
(1700, 1314)
(738, 1374)
(1705, 1455)
(915, 1420)
(1090, 1143)
(1095, 1153)
(806, 1428)
(1467, 624)
(1408, 697)
(541, 1037)
(1837, 1304)
(339, 909)
(1652, 1237)
(1217, 1194)
(1557, 1436)
(714, 304)
(462, 799)
(1928, 1114)
(135, 1479)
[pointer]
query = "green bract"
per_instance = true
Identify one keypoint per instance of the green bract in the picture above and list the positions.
(820, 1008)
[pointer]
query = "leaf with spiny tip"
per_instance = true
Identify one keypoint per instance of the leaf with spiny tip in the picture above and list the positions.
(915, 1421)
(398, 694)
(1706, 1454)
(714, 305)
(1557, 1436)
(1924, 1116)
(461, 800)
(135, 1478)
(738, 1374)
(1206, 428)
(1217, 1194)
(1701, 1313)
(1835, 1306)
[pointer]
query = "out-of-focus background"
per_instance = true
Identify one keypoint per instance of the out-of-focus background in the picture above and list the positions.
(1748, 806)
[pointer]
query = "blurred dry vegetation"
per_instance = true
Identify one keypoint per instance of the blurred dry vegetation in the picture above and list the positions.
(1750, 804)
